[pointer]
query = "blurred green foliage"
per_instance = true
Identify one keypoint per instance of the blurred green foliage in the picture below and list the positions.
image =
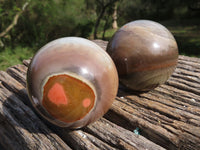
(44, 21)
(47, 20)
(11, 56)
(158, 10)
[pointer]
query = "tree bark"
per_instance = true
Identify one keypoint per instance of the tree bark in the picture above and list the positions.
(98, 22)
(15, 20)
(20, 127)
(103, 9)
(114, 16)
(105, 27)
(14, 23)
(16, 119)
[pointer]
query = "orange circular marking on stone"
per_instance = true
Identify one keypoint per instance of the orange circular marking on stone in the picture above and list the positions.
(67, 98)
(57, 94)
(86, 102)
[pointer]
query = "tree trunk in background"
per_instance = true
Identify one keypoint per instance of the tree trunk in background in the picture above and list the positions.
(14, 23)
(104, 5)
(114, 16)
(98, 22)
(105, 28)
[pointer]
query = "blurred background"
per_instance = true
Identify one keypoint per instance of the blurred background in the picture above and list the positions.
(27, 25)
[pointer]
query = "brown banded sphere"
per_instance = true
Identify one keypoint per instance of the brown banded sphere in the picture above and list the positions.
(72, 82)
(145, 54)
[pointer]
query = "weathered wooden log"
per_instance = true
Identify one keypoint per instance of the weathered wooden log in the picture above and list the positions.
(86, 138)
(104, 134)
(20, 128)
(166, 117)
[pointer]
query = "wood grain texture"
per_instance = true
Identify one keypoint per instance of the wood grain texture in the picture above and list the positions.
(168, 117)
(20, 128)
(100, 135)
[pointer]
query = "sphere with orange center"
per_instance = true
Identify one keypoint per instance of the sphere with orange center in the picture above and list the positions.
(72, 82)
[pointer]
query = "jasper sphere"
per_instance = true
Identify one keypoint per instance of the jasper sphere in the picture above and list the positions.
(145, 54)
(72, 82)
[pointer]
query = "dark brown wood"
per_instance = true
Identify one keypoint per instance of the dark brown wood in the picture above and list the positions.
(20, 128)
(166, 117)
(100, 135)
(169, 115)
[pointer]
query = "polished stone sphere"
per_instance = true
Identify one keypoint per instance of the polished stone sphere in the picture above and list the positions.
(72, 82)
(145, 54)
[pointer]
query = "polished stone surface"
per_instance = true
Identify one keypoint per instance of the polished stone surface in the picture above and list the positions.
(145, 54)
(74, 75)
